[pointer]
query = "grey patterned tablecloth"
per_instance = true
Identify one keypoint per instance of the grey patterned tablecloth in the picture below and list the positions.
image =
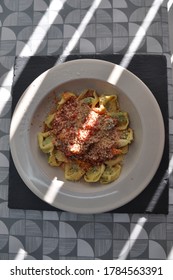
(45, 27)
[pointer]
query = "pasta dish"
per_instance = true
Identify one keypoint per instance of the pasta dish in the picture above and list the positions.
(87, 135)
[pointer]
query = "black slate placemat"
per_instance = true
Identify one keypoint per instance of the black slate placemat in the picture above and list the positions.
(152, 70)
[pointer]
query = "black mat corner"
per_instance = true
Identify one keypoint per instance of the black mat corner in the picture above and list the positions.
(152, 70)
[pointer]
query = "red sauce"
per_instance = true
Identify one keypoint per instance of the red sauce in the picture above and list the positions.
(83, 133)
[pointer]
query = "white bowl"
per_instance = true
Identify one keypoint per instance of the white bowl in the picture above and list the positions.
(141, 162)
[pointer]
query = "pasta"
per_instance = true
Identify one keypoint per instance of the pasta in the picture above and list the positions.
(94, 173)
(87, 135)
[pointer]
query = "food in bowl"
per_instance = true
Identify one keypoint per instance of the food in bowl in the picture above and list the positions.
(87, 135)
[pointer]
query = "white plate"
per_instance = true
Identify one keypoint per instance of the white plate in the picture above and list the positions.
(140, 163)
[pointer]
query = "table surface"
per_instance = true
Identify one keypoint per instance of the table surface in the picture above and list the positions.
(43, 27)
